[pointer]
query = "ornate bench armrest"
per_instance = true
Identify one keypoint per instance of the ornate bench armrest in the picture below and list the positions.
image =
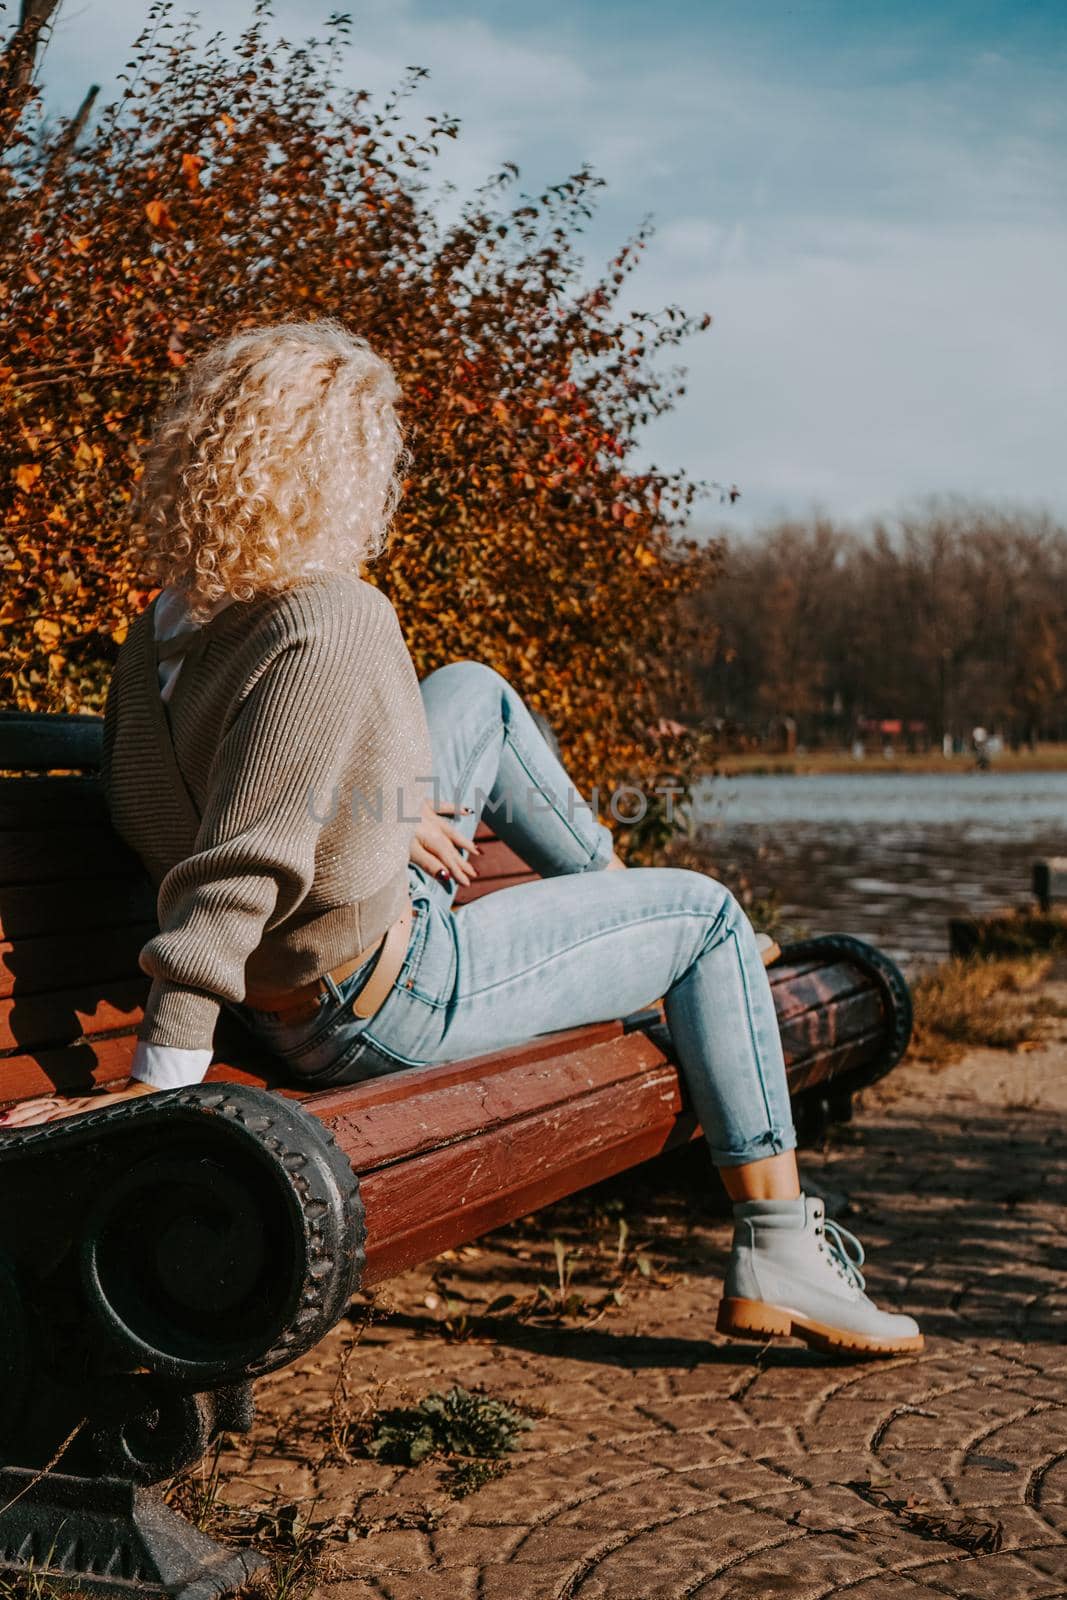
(187, 1241)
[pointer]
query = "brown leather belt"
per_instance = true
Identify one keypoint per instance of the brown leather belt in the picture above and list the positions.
(304, 999)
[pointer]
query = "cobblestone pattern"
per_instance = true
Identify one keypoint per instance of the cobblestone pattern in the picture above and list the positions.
(670, 1464)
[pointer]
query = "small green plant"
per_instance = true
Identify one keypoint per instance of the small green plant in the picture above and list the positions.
(563, 1299)
(459, 1423)
(455, 1322)
(467, 1477)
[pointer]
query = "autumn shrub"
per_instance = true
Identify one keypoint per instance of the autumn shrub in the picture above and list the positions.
(232, 184)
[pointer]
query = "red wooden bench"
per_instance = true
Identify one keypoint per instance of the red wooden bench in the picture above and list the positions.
(336, 1189)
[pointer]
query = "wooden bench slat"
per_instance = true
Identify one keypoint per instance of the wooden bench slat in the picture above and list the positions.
(398, 1086)
(30, 910)
(78, 1068)
(832, 985)
(866, 1050)
(498, 867)
(40, 1020)
(50, 741)
(497, 859)
(814, 1032)
(786, 970)
(57, 961)
(63, 854)
(45, 802)
(419, 1207)
(439, 1108)
(70, 1069)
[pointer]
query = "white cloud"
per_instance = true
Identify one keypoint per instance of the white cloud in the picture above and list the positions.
(888, 363)
(881, 244)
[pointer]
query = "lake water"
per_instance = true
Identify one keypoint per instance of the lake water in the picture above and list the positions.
(887, 856)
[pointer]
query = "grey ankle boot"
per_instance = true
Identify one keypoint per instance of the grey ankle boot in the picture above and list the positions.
(791, 1273)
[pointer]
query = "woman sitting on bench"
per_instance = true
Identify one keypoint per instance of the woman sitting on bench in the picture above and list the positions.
(306, 810)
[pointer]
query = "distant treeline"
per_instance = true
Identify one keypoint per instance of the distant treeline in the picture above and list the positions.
(947, 620)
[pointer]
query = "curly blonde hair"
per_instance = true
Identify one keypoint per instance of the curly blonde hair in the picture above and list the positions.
(280, 453)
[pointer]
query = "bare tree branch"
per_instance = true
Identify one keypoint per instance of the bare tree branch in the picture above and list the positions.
(68, 136)
(19, 59)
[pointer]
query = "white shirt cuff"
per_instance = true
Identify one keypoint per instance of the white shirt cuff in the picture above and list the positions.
(166, 1066)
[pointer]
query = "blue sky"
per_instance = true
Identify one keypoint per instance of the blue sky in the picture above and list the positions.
(868, 198)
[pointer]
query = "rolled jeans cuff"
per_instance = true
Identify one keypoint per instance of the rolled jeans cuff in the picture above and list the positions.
(772, 1143)
(603, 852)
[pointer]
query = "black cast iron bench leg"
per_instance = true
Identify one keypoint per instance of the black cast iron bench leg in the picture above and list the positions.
(155, 1257)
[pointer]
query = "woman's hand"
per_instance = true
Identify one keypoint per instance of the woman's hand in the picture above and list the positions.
(437, 844)
(54, 1107)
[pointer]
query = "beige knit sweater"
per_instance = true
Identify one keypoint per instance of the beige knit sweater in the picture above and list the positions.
(273, 800)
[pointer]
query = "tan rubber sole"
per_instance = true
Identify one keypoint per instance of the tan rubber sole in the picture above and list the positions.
(752, 1319)
(771, 953)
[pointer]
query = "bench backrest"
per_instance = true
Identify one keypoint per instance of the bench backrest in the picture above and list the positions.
(76, 907)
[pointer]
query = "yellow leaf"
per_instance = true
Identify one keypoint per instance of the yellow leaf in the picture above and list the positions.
(119, 633)
(81, 245)
(47, 631)
(27, 475)
(157, 214)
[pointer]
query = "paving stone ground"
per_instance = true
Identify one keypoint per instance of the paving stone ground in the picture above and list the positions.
(668, 1463)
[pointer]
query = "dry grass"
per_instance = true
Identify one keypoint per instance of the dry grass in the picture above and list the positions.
(1020, 931)
(36, 1586)
(763, 763)
(286, 1534)
(969, 1002)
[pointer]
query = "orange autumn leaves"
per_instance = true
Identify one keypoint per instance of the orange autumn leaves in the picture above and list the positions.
(526, 537)
(158, 215)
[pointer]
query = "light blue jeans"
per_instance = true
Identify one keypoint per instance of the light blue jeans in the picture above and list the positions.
(581, 945)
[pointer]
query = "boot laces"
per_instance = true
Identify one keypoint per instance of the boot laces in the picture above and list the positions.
(837, 1241)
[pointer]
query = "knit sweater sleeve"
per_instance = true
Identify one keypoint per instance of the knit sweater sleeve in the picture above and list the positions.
(291, 739)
